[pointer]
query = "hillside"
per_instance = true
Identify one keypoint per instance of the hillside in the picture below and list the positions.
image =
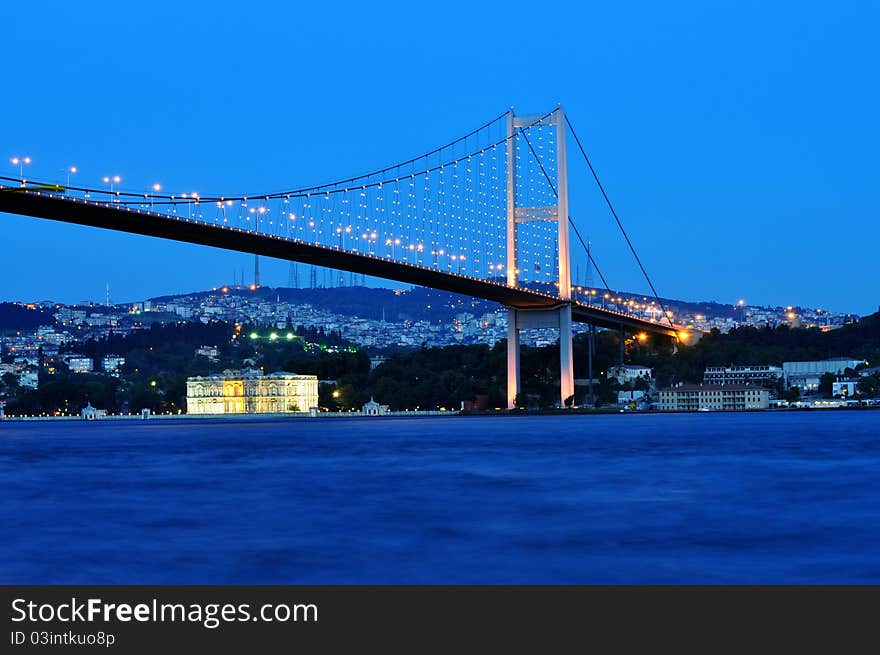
(15, 316)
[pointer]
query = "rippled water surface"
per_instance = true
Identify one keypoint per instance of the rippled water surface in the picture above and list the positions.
(699, 498)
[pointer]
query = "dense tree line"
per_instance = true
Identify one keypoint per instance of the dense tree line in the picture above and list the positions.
(159, 360)
(766, 345)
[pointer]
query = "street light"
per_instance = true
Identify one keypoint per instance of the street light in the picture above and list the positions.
(115, 179)
(20, 162)
(156, 189)
(70, 171)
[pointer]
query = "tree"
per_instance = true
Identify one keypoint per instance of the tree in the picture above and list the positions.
(826, 384)
(868, 385)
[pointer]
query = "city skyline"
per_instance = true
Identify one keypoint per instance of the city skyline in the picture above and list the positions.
(713, 173)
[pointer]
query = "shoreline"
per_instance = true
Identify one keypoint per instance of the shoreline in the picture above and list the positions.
(412, 414)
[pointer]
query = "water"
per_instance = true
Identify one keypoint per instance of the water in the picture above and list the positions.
(699, 498)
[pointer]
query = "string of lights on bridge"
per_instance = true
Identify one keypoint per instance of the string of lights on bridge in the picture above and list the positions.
(445, 210)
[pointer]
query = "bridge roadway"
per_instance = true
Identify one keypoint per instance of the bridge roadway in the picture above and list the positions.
(57, 207)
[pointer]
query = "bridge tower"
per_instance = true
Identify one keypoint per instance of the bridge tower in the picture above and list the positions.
(517, 214)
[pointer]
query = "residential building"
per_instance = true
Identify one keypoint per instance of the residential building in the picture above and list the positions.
(713, 397)
(30, 379)
(78, 364)
(750, 374)
(844, 387)
(251, 392)
(211, 353)
(626, 397)
(112, 363)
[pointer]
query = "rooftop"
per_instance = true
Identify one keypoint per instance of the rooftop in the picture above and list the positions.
(715, 387)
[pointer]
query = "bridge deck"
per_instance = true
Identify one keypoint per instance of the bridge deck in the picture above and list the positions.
(123, 219)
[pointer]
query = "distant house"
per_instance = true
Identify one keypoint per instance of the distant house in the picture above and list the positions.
(211, 353)
(845, 388)
(372, 408)
(625, 397)
(112, 363)
(79, 364)
(625, 373)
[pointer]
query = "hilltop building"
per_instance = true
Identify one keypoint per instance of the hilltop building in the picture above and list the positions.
(251, 392)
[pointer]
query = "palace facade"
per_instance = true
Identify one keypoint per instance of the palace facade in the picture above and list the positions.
(251, 392)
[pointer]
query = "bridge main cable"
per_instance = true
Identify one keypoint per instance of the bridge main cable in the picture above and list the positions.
(617, 220)
(571, 222)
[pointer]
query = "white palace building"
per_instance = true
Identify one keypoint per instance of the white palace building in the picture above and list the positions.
(251, 392)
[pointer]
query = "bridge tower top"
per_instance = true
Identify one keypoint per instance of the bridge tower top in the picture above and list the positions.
(522, 211)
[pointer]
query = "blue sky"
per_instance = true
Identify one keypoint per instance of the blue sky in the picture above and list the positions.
(738, 140)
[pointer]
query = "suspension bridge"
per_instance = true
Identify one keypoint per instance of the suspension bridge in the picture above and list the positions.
(485, 215)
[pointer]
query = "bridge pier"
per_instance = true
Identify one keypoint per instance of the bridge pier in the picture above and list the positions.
(524, 319)
(513, 385)
(591, 347)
